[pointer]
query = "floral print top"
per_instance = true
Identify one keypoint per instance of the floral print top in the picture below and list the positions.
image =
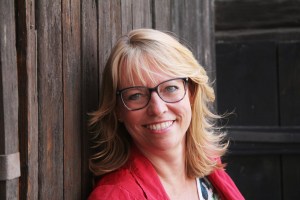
(205, 190)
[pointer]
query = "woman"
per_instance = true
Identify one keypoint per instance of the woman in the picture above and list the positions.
(155, 135)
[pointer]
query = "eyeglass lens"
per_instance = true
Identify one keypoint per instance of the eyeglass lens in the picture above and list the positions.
(138, 97)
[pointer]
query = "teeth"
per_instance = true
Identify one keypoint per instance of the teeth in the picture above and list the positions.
(160, 126)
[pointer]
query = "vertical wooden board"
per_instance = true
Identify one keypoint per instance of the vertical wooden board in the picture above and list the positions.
(257, 176)
(116, 21)
(291, 176)
(9, 189)
(109, 21)
(28, 107)
(72, 98)
(289, 83)
(32, 113)
(126, 16)
(247, 82)
(50, 90)
(8, 93)
(161, 15)
(135, 14)
(90, 83)
(192, 21)
(141, 14)
(8, 80)
(187, 16)
(104, 33)
(207, 37)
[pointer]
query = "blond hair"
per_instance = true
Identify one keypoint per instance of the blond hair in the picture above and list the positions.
(135, 54)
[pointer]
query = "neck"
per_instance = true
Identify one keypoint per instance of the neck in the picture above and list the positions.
(170, 165)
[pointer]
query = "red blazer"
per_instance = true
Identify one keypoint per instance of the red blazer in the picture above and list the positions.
(138, 180)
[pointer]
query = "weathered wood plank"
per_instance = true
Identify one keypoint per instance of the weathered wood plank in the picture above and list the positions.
(135, 14)
(9, 189)
(104, 33)
(116, 20)
(72, 98)
(236, 14)
(186, 16)
(162, 15)
(192, 21)
(141, 14)
(89, 84)
(109, 23)
(8, 80)
(50, 90)
(28, 107)
(8, 93)
(126, 16)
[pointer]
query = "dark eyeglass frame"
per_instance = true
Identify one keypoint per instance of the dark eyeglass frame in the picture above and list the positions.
(154, 89)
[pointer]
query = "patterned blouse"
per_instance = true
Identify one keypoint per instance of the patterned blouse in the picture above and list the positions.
(205, 190)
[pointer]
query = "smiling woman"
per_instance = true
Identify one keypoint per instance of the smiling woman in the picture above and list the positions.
(155, 136)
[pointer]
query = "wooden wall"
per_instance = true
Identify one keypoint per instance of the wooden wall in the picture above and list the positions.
(51, 66)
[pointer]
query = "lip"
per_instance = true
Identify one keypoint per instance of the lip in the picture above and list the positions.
(159, 126)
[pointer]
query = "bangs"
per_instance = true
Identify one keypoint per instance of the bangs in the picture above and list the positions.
(144, 66)
(148, 66)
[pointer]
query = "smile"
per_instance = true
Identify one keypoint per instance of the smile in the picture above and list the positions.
(160, 126)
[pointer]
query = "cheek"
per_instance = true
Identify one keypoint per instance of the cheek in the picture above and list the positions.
(130, 120)
(187, 110)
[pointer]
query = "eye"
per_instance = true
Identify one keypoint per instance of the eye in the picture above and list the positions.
(171, 88)
(134, 97)
(134, 94)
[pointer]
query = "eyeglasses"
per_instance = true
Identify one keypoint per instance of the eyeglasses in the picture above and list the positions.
(138, 97)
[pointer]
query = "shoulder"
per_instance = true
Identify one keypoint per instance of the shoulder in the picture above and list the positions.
(113, 192)
(117, 185)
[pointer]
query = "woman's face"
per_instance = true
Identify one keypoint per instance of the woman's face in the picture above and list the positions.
(159, 126)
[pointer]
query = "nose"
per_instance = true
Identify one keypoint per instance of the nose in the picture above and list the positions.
(156, 105)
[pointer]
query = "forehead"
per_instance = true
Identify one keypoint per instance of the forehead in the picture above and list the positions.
(143, 78)
(143, 71)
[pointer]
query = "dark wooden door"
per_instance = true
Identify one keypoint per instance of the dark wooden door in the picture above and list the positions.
(258, 69)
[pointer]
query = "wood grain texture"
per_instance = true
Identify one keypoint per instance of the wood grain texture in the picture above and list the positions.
(89, 84)
(136, 14)
(71, 61)
(161, 15)
(104, 33)
(192, 21)
(28, 104)
(9, 189)
(141, 14)
(126, 16)
(50, 89)
(8, 80)
(8, 93)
